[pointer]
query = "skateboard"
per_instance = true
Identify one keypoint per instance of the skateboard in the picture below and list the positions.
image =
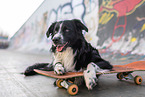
(123, 72)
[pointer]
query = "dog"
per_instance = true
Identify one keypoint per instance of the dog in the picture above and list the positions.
(72, 53)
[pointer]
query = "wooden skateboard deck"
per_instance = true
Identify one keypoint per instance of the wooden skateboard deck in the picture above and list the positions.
(135, 66)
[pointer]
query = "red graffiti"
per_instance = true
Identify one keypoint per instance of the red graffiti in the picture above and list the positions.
(122, 8)
(125, 6)
(119, 26)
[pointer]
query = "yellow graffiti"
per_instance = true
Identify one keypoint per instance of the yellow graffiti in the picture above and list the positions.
(133, 39)
(109, 6)
(102, 18)
(107, 3)
(105, 18)
(143, 28)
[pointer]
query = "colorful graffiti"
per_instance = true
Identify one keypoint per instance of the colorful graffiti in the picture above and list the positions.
(117, 18)
(122, 8)
(32, 34)
(119, 26)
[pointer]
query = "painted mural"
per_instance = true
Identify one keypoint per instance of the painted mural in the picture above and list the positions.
(122, 25)
(116, 27)
(31, 36)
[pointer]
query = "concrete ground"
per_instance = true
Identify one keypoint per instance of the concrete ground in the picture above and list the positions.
(15, 84)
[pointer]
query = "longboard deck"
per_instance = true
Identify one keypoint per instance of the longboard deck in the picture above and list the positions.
(135, 66)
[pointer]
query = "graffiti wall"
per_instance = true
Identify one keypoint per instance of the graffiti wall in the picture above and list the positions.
(114, 25)
(122, 26)
(31, 36)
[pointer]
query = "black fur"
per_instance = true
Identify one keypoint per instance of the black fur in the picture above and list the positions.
(43, 66)
(85, 52)
(72, 35)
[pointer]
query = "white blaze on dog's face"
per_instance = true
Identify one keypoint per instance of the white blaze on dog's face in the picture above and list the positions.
(58, 37)
(65, 33)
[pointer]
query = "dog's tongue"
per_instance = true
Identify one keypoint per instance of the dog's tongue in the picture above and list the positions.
(59, 48)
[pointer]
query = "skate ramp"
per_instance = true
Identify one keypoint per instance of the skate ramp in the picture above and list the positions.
(31, 36)
(118, 31)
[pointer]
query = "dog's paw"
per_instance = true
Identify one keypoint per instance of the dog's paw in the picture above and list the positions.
(59, 69)
(99, 70)
(102, 70)
(90, 79)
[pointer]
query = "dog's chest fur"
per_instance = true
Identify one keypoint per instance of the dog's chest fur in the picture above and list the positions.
(66, 58)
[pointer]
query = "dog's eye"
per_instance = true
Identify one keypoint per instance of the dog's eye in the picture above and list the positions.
(67, 30)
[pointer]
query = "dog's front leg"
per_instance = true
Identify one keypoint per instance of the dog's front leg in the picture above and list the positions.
(57, 64)
(58, 68)
(90, 76)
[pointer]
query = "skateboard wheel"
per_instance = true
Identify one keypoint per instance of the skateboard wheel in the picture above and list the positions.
(72, 89)
(58, 83)
(138, 80)
(120, 76)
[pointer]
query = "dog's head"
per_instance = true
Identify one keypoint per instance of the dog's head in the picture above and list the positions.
(66, 33)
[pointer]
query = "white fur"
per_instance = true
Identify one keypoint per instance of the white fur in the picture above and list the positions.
(66, 58)
(58, 33)
(59, 69)
(90, 75)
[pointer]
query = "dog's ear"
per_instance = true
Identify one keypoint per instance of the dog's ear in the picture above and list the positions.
(50, 30)
(80, 25)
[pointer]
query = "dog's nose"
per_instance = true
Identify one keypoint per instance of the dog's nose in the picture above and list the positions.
(56, 39)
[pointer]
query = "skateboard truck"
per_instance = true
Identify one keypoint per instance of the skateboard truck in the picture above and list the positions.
(72, 88)
(127, 75)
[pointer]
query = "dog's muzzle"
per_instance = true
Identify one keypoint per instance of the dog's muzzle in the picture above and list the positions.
(56, 40)
(59, 43)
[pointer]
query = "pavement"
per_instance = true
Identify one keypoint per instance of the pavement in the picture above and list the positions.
(14, 84)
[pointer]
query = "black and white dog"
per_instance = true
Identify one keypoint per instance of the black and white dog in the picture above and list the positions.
(72, 52)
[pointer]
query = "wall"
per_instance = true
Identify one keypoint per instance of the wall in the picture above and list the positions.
(31, 36)
(121, 25)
